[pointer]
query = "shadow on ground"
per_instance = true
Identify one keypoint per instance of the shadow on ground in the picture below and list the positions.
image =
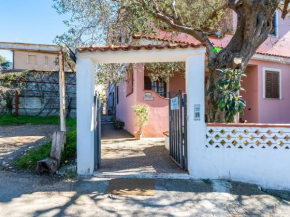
(121, 153)
(27, 195)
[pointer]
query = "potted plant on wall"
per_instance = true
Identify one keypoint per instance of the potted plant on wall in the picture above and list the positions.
(142, 112)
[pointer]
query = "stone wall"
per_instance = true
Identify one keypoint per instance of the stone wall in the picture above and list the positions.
(38, 93)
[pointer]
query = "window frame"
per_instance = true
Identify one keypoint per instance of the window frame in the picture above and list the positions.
(28, 59)
(46, 57)
(264, 82)
(276, 23)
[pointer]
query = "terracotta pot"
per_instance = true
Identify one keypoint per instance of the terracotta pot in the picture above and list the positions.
(138, 135)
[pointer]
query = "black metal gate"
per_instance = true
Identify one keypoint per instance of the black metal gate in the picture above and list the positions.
(178, 129)
(97, 130)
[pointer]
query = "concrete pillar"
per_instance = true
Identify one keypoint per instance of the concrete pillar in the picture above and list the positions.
(196, 127)
(85, 116)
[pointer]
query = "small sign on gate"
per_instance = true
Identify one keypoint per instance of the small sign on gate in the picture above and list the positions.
(174, 103)
(197, 112)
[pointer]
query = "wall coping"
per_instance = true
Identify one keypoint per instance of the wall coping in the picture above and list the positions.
(246, 125)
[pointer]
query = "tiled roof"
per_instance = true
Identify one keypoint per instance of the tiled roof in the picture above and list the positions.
(170, 44)
(156, 38)
(273, 55)
(137, 47)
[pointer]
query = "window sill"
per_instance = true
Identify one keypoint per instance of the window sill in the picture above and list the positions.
(272, 98)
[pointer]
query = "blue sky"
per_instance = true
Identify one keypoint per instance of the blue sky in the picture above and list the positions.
(29, 21)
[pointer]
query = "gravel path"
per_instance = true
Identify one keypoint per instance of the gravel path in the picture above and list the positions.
(15, 140)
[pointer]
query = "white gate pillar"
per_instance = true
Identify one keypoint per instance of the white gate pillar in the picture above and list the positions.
(196, 127)
(85, 116)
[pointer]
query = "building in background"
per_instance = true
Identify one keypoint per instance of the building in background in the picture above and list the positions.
(267, 82)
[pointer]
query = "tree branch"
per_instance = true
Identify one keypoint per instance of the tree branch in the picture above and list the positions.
(176, 25)
(285, 10)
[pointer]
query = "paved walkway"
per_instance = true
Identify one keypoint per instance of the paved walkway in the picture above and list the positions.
(122, 154)
(31, 195)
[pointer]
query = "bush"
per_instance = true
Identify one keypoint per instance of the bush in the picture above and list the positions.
(118, 124)
(142, 113)
(29, 160)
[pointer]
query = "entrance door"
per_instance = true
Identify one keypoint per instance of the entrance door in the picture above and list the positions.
(178, 130)
(97, 130)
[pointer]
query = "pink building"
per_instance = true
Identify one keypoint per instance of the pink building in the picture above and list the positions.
(267, 84)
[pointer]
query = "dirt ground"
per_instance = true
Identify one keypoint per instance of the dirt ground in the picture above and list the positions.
(15, 140)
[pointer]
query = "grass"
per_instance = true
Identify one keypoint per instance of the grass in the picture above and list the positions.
(25, 119)
(29, 160)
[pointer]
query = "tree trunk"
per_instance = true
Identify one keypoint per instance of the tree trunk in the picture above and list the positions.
(52, 163)
(254, 25)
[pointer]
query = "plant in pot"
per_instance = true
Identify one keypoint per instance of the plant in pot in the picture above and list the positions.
(118, 124)
(142, 112)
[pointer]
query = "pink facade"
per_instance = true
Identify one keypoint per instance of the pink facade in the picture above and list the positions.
(258, 109)
(158, 121)
(266, 110)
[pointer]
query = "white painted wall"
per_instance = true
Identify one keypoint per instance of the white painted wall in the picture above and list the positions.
(195, 59)
(195, 69)
(85, 116)
(266, 167)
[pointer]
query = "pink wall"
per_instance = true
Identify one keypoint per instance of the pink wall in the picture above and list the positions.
(177, 83)
(250, 84)
(273, 110)
(158, 121)
(124, 110)
(158, 108)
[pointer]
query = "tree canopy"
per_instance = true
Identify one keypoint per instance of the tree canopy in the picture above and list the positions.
(2, 60)
(114, 21)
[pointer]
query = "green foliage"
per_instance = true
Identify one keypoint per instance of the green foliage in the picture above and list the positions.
(228, 87)
(71, 175)
(163, 71)
(29, 160)
(142, 112)
(118, 124)
(114, 22)
(26, 119)
(2, 60)
(7, 97)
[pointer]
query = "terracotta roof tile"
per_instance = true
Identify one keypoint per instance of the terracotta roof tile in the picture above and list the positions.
(170, 44)
(137, 47)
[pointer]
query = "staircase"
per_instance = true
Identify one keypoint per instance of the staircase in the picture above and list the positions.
(106, 119)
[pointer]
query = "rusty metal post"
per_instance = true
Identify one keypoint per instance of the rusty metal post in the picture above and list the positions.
(16, 102)
(61, 92)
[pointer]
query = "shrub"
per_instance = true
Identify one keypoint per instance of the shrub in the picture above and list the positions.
(142, 112)
(118, 124)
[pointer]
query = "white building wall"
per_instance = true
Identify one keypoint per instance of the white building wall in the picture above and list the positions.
(258, 155)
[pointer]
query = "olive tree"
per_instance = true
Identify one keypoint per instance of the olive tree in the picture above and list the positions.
(101, 21)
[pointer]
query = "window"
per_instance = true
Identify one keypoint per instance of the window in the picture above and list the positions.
(32, 59)
(272, 84)
(158, 86)
(46, 61)
(274, 30)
